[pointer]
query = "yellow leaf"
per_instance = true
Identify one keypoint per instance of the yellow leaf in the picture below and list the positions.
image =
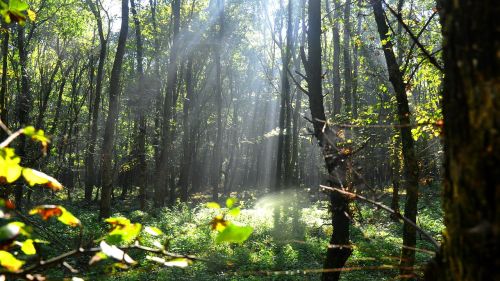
(28, 247)
(31, 15)
(36, 177)
(10, 262)
(63, 215)
(10, 170)
(213, 205)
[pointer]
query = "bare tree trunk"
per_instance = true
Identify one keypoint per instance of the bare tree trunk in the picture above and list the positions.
(90, 163)
(140, 146)
(109, 132)
(3, 89)
(339, 249)
(347, 59)
(410, 168)
(217, 152)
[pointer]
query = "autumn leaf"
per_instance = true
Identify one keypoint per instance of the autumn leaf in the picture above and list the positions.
(63, 215)
(218, 223)
(122, 230)
(34, 177)
(9, 232)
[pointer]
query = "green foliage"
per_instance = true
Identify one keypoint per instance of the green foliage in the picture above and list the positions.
(16, 11)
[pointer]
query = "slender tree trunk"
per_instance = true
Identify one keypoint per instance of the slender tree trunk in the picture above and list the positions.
(217, 152)
(140, 146)
(410, 168)
(23, 104)
(90, 163)
(339, 249)
(337, 101)
(355, 82)
(347, 59)
(471, 113)
(164, 168)
(186, 136)
(109, 132)
(3, 89)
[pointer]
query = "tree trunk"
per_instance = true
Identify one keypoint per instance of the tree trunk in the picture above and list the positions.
(217, 152)
(109, 132)
(140, 146)
(90, 165)
(410, 164)
(339, 249)
(471, 113)
(3, 89)
(347, 59)
(164, 168)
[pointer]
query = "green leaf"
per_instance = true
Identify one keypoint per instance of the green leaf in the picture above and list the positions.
(10, 262)
(234, 211)
(122, 231)
(234, 234)
(28, 247)
(230, 202)
(213, 205)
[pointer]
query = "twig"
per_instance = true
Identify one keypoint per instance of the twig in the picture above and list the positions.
(414, 38)
(80, 251)
(385, 208)
(11, 138)
(296, 82)
(5, 128)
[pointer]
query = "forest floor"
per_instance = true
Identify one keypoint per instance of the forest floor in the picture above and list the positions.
(294, 250)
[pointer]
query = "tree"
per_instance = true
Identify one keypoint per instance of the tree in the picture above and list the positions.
(109, 131)
(90, 173)
(410, 161)
(471, 121)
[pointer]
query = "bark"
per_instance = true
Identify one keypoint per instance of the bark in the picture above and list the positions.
(186, 136)
(337, 101)
(109, 131)
(339, 249)
(471, 120)
(215, 173)
(164, 167)
(3, 89)
(410, 164)
(355, 82)
(23, 105)
(140, 145)
(347, 59)
(90, 165)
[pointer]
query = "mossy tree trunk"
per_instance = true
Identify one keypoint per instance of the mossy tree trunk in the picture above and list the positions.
(471, 142)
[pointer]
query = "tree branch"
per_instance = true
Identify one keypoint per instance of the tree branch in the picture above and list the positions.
(414, 38)
(385, 208)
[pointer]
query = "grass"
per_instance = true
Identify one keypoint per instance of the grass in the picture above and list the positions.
(294, 250)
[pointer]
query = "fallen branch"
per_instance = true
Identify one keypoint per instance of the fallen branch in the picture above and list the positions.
(385, 208)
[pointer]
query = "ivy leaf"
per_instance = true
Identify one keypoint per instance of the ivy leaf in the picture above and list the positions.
(213, 205)
(36, 177)
(234, 234)
(230, 202)
(63, 215)
(10, 262)
(116, 253)
(10, 170)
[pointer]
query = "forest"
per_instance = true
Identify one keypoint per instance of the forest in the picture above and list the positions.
(249, 140)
